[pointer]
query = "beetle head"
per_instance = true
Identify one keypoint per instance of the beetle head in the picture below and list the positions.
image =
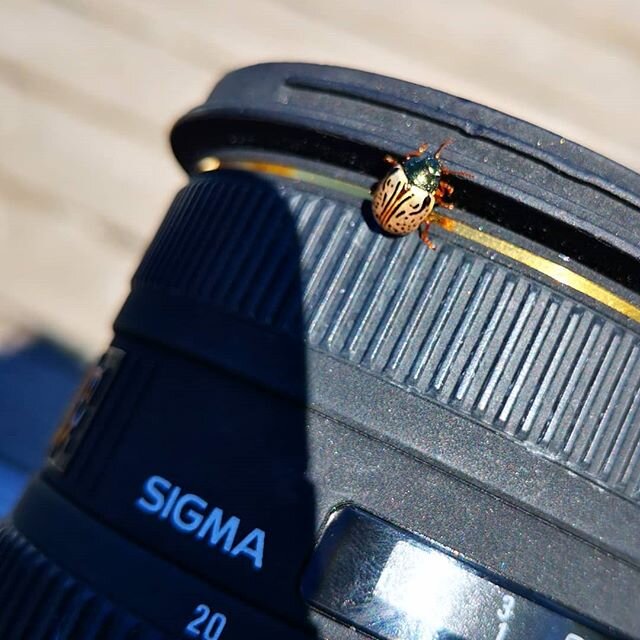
(423, 171)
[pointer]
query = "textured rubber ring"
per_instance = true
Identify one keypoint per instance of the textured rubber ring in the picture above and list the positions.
(40, 601)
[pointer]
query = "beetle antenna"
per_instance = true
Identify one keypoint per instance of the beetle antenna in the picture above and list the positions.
(418, 152)
(459, 174)
(446, 143)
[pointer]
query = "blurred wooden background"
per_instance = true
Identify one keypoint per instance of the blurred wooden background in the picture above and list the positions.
(89, 89)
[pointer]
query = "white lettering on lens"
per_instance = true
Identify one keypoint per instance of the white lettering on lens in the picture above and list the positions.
(155, 499)
(505, 614)
(171, 500)
(252, 546)
(188, 513)
(194, 517)
(219, 531)
(215, 623)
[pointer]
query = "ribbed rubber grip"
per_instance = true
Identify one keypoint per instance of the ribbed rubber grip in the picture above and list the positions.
(469, 332)
(40, 601)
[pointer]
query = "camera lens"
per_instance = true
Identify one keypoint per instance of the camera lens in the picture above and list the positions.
(309, 427)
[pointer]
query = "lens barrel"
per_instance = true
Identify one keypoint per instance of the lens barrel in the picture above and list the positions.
(292, 396)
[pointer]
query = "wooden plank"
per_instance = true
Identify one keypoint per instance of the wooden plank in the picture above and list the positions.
(164, 27)
(59, 276)
(612, 25)
(81, 64)
(102, 173)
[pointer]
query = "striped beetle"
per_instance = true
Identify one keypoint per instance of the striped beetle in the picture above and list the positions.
(404, 199)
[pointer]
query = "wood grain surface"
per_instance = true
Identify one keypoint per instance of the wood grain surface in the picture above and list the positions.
(89, 89)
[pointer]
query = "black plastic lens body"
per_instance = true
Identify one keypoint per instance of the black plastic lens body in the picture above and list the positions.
(397, 586)
(279, 361)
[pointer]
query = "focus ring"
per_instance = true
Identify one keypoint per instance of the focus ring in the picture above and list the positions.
(40, 601)
(459, 328)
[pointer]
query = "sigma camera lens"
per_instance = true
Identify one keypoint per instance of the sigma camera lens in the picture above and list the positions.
(311, 424)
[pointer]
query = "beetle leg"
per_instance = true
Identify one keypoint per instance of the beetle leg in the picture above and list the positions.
(446, 187)
(424, 236)
(441, 148)
(443, 191)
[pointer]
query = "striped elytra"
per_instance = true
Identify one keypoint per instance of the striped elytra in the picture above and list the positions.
(400, 207)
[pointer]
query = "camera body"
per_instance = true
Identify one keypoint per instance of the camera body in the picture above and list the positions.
(307, 428)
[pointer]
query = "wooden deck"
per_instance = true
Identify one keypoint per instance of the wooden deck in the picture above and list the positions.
(89, 89)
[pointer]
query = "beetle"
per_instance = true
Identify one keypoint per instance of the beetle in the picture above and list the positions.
(404, 200)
